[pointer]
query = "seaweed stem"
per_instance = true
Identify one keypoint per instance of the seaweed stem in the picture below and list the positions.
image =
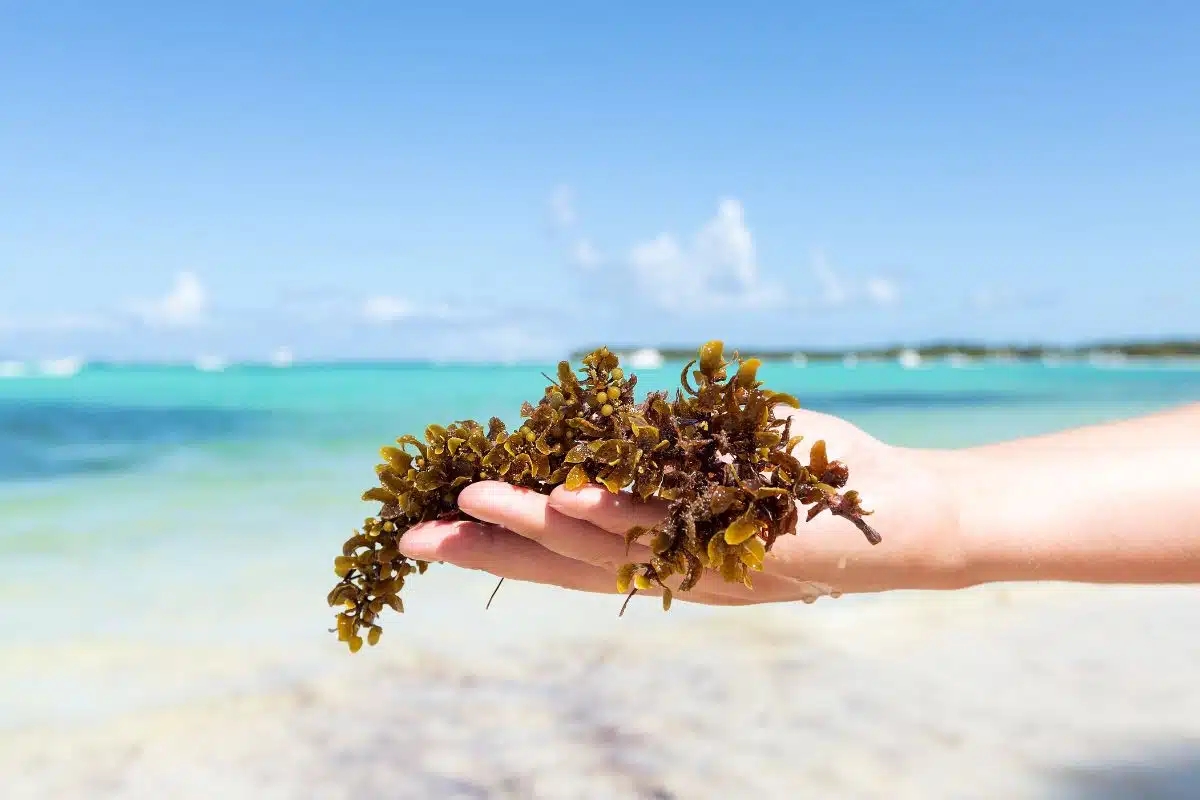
(493, 595)
(713, 449)
(625, 605)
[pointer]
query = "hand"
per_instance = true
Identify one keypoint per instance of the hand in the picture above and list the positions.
(575, 539)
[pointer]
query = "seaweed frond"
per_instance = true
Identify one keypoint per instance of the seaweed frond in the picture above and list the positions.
(716, 452)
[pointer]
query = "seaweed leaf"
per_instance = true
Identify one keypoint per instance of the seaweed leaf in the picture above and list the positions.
(713, 450)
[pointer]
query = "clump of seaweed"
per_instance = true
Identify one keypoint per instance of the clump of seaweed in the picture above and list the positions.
(715, 451)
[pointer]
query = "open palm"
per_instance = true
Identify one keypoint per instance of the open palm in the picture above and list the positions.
(575, 539)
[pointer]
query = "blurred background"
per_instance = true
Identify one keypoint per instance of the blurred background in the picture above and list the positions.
(244, 245)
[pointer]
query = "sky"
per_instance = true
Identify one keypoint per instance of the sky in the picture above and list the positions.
(377, 180)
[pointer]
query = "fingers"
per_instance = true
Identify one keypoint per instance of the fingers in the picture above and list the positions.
(507, 555)
(530, 515)
(615, 513)
(502, 553)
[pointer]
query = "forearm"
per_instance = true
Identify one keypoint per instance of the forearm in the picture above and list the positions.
(1114, 503)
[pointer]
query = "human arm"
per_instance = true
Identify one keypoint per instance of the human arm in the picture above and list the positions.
(1110, 503)
(1116, 502)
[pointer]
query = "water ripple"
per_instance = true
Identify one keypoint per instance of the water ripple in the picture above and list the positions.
(46, 439)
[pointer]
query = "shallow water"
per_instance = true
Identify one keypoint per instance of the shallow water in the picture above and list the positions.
(167, 533)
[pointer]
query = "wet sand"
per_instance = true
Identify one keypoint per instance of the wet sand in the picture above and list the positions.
(1000, 692)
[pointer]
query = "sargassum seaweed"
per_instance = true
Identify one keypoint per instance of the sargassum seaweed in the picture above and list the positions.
(716, 451)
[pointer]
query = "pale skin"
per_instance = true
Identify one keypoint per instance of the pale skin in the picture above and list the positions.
(1111, 503)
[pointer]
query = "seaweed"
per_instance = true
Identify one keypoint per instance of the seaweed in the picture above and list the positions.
(715, 451)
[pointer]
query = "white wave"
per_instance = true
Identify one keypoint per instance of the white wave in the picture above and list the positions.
(210, 363)
(282, 357)
(958, 360)
(1107, 359)
(61, 367)
(1052, 360)
(12, 369)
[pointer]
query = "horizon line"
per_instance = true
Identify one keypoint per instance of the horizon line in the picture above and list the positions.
(1146, 348)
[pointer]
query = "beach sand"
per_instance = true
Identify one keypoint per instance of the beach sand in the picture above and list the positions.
(997, 692)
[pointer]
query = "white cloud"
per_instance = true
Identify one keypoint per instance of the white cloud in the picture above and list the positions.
(658, 259)
(562, 207)
(581, 252)
(384, 309)
(388, 309)
(833, 290)
(511, 343)
(585, 255)
(725, 247)
(718, 269)
(184, 306)
(507, 341)
(883, 292)
(988, 298)
(57, 323)
(837, 291)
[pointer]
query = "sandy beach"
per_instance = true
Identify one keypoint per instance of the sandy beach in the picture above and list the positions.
(248, 250)
(1031, 692)
(171, 640)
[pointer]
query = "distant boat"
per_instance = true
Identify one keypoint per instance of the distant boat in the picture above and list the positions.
(282, 357)
(958, 360)
(850, 360)
(1052, 360)
(61, 367)
(646, 358)
(12, 369)
(800, 360)
(909, 359)
(210, 363)
(1106, 358)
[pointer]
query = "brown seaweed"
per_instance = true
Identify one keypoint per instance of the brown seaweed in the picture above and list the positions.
(715, 451)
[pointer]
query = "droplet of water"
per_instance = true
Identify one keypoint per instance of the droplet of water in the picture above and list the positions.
(809, 598)
(835, 594)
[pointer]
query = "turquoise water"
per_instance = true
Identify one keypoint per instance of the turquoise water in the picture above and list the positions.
(155, 516)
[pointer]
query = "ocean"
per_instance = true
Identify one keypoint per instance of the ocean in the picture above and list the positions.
(167, 534)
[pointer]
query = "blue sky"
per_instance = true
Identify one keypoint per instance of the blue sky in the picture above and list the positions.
(377, 180)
